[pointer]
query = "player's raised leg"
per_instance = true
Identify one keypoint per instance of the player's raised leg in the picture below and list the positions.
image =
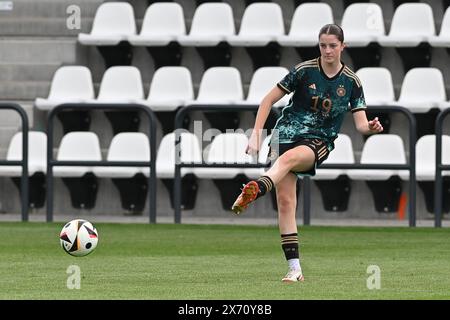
(300, 158)
(250, 192)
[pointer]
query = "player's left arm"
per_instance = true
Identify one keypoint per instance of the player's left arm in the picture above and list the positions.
(365, 126)
(358, 108)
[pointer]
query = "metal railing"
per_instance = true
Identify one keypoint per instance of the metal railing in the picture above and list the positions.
(114, 107)
(411, 166)
(439, 168)
(178, 164)
(24, 183)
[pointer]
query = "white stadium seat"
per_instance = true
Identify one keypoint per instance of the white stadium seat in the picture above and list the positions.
(363, 23)
(190, 152)
(426, 157)
(426, 169)
(121, 84)
(220, 85)
(163, 23)
(261, 23)
(70, 84)
(381, 149)
(170, 88)
(113, 22)
(378, 85)
(263, 80)
(212, 23)
(37, 154)
(77, 146)
(412, 24)
(37, 166)
(225, 148)
(306, 23)
(422, 89)
(342, 154)
(443, 39)
(126, 146)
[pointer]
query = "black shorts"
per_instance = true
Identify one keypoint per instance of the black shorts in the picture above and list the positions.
(319, 147)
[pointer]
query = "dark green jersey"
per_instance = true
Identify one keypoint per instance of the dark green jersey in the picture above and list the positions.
(319, 103)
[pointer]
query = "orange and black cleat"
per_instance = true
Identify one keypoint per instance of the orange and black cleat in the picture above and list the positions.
(249, 194)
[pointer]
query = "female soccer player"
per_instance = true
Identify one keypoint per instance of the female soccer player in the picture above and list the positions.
(324, 90)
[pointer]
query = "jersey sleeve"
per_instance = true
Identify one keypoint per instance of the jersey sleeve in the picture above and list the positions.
(357, 100)
(291, 81)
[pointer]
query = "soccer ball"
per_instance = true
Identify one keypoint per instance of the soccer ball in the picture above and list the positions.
(78, 237)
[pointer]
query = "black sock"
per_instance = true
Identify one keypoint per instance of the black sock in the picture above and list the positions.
(289, 243)
(265, 185)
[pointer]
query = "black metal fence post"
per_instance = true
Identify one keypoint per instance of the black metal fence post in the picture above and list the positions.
(24, 183)
(306, 201)
(439, 168)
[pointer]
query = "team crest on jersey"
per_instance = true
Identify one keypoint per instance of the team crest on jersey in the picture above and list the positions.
(340, 91)
(312, 86)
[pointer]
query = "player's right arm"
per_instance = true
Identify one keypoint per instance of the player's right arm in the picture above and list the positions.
(263, 112)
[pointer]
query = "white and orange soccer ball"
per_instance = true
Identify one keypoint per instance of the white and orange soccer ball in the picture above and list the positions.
(78, 237)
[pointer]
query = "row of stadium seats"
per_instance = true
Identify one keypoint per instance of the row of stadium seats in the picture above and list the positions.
(386, 185)
(422, 91)
(345, 3)
(262, 24)
(170, 88)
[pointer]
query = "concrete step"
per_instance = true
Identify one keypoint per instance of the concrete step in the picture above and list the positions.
(50, 8)
(6, 135)
(23, 90)
(38, 50)
(11, 26)
(11, 119)
(28, 71)
(10, 123)
(47, 17)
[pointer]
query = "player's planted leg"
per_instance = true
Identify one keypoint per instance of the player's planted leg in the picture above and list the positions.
(287, 203)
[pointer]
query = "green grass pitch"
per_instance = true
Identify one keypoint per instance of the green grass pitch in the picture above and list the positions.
(168, 261)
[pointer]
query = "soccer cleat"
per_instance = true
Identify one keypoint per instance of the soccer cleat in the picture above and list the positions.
(248, 195)
(293, 276)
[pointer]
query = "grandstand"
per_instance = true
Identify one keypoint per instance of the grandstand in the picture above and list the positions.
(224, 52)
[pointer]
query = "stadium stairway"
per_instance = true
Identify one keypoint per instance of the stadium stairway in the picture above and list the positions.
(35, 41)
(45, 18)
